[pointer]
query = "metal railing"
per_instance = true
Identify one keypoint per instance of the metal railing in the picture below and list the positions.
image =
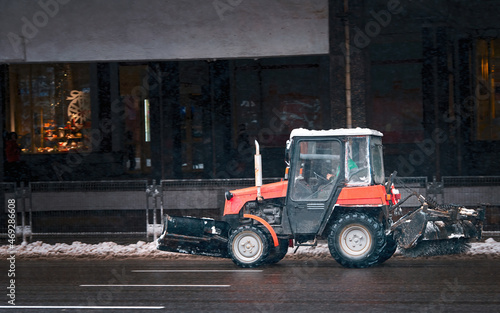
(78, 208)
(136, 208)
(5, 189)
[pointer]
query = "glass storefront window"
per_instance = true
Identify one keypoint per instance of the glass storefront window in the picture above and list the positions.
(194, 106)
(50, 107)
(137, 123)
(276, 96)
(487, 92)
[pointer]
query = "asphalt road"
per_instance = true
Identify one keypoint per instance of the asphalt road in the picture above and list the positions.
(217, 285)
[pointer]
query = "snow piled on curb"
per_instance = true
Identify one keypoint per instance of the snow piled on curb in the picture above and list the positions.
(81, 250)
(490, 246)
(142, 249)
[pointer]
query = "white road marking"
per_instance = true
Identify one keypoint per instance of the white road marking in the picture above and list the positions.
(82, 307)
(199, 286)
(196, 271)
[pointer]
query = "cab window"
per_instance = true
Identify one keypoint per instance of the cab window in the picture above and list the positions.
(317, 169)
(357, 162)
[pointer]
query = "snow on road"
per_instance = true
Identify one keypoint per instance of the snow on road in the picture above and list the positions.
(38, 249)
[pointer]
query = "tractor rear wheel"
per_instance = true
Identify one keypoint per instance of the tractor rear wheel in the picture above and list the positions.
(357, 240)
(248, 246)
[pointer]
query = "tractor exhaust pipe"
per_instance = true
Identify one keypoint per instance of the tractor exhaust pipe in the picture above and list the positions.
(258, 170)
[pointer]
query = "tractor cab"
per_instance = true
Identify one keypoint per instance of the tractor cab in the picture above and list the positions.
(321, 163)
(318, 160)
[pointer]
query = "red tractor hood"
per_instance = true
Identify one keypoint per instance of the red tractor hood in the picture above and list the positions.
(242, 196)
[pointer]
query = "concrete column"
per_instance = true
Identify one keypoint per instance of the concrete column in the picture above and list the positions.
(337, 51)
(221, 118)
(464, 124)
(355, 78)
(436, 99)
(116, 110)
(101, 105)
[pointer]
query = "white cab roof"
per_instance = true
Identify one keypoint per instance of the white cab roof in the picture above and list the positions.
(336, 132)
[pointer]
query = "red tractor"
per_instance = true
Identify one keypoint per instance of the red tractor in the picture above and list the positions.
(334, 189)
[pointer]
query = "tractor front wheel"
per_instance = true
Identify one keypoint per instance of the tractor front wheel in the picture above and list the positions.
(389, 249)
(248, 246)
(277, 254)
(357, 240)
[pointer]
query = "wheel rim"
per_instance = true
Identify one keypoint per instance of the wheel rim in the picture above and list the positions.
(247, 247)
(355, 240)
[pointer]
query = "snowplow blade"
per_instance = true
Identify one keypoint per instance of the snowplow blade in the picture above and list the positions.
(438, 230)
(189, 235)
(409, 229)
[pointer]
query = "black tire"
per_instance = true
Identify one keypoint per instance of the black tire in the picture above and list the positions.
(277, 253)
(248, 246)
(389, 249)
(357, 240)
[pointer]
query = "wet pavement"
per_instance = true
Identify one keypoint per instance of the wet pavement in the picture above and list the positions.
(217, 285)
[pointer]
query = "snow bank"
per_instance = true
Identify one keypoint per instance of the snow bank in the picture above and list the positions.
(103, 250)
(490, 246)
(78, 249)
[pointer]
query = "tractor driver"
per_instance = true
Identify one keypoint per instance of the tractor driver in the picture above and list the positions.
(351, 165)
(326, 181)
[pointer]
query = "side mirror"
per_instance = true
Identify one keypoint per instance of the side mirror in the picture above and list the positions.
(390, 181)
(287, 152)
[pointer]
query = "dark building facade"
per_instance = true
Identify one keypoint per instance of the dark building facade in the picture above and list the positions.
(165, 93)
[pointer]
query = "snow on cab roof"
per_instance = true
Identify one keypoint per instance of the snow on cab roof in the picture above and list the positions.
(336, 132)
